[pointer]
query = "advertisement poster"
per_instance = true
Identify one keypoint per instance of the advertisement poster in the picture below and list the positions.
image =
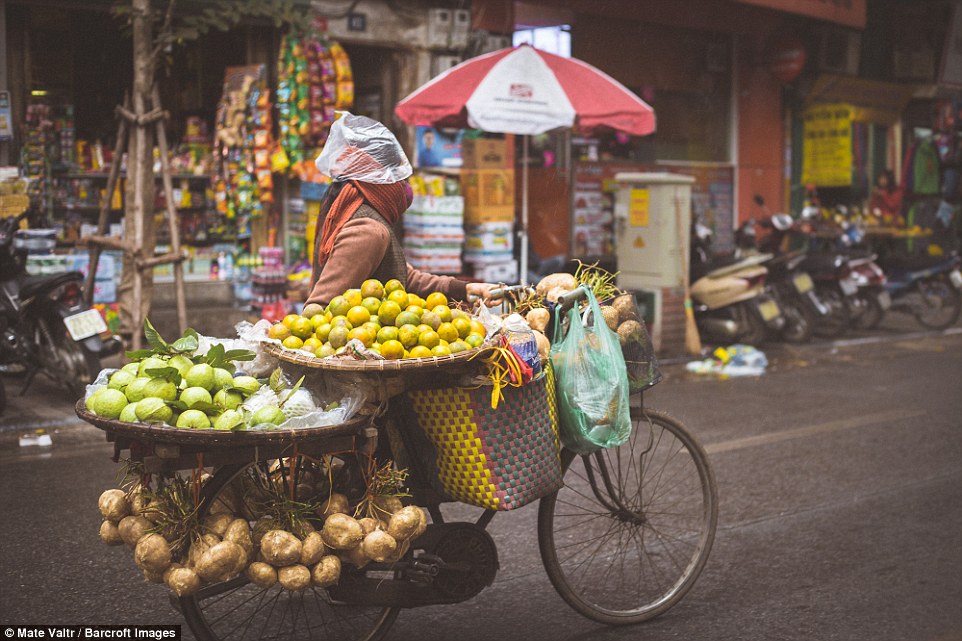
(6, 120)
(827, 146)
(437, 147)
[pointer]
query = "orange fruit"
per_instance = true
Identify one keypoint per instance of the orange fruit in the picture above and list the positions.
(478, 328)
(387, 312)
(290, 318)
(474, 340)
(318, 319)
(407, 318)
(312, 309)
(353, 296)
(358, 315)
(392, 349)
(292, 342)
(338, 337)
(362, 334)
(414, 299)
(444, 312)
(458, 346)
(463, 325)
(424, 328)
(311, 344)
(415, 309)
(371, 304)
(324, 351)
(372, 287)
(408, 335)
(429, 339)
(372, 326)
(341, 321)
(302, 327)
(448, 332)
(338, 306)
(441, 350)
(392, 285)
(420, 351)
(387, 333)
(434, 299)
(400, 297)
(279, 331)
(459, 313)
(322, 332)
(432, 319)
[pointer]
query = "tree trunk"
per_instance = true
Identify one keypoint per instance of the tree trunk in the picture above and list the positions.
(136, 287)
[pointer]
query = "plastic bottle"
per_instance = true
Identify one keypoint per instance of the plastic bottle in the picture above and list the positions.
(523, 341)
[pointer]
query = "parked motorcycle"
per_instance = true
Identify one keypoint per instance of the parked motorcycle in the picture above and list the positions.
(925, 287)
(791, 286)
(45, 327)
(729, 298)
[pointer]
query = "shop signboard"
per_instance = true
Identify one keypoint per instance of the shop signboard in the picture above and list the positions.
(827, 147)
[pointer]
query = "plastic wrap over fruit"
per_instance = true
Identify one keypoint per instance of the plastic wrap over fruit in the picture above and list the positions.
(363, 149)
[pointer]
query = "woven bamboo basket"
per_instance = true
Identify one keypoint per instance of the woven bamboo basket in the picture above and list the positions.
(384, 378)
(214, 439)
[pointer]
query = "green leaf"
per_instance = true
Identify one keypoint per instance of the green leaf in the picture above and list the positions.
(207, 408)
(154, 339)
(276, 381)
(239, 355)
(178, 405)
(296, 387)
(186, 344)
(171, 374)
(139, 354)
(215, 355)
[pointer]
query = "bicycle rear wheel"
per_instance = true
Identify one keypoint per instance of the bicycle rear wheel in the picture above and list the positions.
(239, 610)
(629, 533)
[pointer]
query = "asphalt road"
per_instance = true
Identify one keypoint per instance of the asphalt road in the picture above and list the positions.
(840, 481)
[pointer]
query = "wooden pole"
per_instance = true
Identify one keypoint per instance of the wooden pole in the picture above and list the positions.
(171, 216)
(120, 145)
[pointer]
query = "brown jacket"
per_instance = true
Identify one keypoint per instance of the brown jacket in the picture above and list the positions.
(360, 247)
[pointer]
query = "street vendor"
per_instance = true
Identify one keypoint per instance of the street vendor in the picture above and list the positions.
(885, 202)
(355, 239)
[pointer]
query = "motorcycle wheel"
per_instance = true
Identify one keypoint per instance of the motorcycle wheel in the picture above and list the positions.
(756, 332)
(872, 315)
(63, 359)
(799, 322)
(839, 316)
(941, 303)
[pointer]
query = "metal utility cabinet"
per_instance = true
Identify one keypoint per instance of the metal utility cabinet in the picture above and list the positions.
(653, 216)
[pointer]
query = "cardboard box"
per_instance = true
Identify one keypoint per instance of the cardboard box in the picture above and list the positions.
(486, 237)
(506, 272)
(484, 153)
(488, 195)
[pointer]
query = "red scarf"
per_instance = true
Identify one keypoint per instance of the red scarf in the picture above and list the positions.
(389, 200)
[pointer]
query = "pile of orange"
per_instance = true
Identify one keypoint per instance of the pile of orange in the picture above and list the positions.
(386, 319)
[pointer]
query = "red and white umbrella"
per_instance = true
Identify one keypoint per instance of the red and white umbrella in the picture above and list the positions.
(523, 90)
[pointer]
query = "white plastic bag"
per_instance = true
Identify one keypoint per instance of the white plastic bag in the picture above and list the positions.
(360, 148)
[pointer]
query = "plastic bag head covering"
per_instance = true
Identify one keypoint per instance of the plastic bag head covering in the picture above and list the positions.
(360, 148)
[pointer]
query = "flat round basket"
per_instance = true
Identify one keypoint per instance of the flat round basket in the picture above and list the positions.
(379, 365)
(220, 438)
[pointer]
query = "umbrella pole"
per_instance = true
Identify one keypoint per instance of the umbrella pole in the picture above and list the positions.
(523, 267)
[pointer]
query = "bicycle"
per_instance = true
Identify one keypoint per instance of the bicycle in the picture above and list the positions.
(622, 541)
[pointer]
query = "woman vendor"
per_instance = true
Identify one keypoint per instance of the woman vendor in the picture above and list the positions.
(886, 199)
(354, 239)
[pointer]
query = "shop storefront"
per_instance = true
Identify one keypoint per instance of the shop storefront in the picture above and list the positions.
(249, 109)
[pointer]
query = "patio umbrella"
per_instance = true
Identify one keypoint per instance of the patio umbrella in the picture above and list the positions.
(523, 90)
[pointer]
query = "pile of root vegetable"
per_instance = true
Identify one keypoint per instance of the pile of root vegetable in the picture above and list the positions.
(269, 524)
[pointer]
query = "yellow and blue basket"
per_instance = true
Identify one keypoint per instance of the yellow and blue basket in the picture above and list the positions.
(499, 459)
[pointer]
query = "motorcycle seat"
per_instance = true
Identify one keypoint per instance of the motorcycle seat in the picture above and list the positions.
(32, 286)
(747, 261)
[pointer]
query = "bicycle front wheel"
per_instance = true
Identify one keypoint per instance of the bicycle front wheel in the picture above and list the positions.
(629, 533)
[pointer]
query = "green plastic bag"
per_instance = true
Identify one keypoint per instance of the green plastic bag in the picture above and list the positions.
(591, 381)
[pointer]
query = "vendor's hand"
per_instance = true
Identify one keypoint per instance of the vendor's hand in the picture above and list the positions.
(482, 291)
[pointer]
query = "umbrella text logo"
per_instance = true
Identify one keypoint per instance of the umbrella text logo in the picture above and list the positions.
(518, 90)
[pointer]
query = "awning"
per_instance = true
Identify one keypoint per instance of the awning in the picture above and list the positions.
(850, 13)
(874, 101)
